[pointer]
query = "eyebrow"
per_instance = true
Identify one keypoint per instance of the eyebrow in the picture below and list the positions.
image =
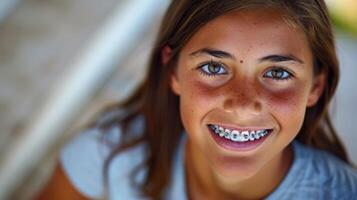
(213, 52)
(222, 54)
(280, 58)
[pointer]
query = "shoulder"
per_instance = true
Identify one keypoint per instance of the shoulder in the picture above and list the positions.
(82, 160)
(84, 156)
(335, 178)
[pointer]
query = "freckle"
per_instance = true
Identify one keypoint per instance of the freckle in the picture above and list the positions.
(241, 61)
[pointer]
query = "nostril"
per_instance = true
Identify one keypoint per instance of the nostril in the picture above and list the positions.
(257, 106)
(228, 104)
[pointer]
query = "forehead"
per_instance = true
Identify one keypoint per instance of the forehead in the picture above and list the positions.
(246, 31)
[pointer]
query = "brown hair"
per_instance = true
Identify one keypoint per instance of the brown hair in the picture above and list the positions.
(159, 107)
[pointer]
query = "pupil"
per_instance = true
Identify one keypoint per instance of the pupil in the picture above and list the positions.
(277, 73)
(213, 68)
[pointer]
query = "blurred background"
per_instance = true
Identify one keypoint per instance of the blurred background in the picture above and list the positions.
(89, 54)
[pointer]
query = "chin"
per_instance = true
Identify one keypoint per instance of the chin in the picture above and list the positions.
(236, 169)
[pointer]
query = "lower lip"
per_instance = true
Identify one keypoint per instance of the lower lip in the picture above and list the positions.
(238, 146)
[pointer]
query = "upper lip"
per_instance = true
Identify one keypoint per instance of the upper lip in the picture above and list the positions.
(241, 128)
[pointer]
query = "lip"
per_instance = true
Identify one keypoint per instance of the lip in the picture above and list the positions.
(238, 146)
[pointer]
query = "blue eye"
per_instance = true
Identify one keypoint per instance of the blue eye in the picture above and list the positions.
(212, 68)
(278, 74)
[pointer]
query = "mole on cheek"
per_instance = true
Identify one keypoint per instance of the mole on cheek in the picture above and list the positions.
(241, 61)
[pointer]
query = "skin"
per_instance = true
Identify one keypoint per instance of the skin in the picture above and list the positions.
(59, 187)
(243, 96)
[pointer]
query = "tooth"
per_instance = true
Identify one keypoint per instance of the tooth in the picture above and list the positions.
(252, 136)
(235, 136)
(215, 126)
(245, 135)
(221, 131)
(257, 135)
(216, 130)
(260, 133)
(263, 133)
(241, 138)
(227, 134)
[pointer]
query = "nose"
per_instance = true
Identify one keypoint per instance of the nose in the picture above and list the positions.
(242, 97)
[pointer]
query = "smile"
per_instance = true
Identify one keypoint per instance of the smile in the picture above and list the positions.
(239, 136)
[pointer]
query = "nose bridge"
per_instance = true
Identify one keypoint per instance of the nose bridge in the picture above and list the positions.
(242, 94)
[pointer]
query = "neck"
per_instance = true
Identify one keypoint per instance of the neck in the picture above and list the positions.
(203, 183)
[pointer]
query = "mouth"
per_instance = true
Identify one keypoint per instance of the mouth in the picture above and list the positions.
(238, 139)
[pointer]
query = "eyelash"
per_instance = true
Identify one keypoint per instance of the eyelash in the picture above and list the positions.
(288, 74)
(279, 69)
(206, 72)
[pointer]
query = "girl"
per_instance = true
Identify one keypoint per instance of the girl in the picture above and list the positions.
(234, 106)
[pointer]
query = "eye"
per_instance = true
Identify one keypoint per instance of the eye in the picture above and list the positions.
(212, 68)
(278, 74)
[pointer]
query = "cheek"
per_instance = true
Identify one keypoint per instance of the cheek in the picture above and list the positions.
(195, 101)
(288, 106)
(196, 97)
(286, 100)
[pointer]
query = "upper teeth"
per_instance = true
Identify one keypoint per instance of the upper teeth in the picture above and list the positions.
(239, 136)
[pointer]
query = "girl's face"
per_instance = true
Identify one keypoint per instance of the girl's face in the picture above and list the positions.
(245, 71)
